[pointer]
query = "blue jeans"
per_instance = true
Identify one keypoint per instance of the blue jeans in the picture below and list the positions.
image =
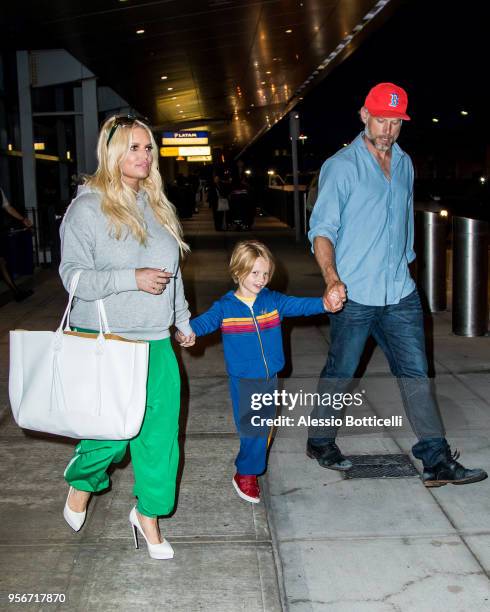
(399, 331)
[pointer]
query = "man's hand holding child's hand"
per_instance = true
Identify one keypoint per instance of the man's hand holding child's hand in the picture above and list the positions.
(335, 296)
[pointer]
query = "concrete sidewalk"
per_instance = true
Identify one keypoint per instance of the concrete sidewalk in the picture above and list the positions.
(319, 542)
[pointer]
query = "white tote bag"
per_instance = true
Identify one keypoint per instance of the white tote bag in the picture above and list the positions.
(84, 386)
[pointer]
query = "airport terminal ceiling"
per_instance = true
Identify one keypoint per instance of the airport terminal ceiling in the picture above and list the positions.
(234, 67)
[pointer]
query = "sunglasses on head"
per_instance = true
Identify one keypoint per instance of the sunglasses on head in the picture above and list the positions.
(125, 120)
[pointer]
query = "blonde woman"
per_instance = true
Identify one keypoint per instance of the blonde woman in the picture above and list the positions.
(124, 236)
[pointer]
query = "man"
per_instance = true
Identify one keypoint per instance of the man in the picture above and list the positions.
(361, 230)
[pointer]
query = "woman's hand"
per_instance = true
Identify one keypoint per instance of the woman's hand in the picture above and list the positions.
(152, 280)
(185, 341)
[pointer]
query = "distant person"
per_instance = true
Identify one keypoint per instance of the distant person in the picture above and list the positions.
(240, 203)
(7, 209)
(250, 322)
(124, 237)
(361, 230)
(185, 198)
(218, 190)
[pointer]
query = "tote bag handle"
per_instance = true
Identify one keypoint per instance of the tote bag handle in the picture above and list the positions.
(102, 315)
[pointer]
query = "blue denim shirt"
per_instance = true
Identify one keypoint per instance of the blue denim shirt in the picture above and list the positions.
(369, 220)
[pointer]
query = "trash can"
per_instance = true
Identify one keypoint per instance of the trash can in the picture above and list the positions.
(431, 245)
(470, 277)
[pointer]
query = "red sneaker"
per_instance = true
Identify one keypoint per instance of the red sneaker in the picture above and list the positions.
(247, 487)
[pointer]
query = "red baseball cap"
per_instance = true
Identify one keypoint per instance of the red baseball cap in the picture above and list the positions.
(387, 100)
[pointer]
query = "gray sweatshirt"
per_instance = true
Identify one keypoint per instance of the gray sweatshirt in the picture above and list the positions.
(108, 271)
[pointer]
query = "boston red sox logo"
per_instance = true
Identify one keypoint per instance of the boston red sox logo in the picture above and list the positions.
(394, 100)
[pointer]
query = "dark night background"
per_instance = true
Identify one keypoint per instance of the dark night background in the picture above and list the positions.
(438, 51)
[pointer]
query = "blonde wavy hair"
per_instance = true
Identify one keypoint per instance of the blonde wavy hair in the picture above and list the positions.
(118, 199)
(243, 259)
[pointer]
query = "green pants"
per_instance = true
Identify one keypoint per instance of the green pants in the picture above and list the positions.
(154, 451)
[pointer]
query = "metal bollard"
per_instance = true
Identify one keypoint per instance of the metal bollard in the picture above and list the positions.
(431, 240)
(470, 277)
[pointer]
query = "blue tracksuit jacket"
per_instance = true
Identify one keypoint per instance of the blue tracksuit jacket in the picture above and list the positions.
(252, 339)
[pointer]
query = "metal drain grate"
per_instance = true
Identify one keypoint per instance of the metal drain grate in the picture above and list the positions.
(380, 466)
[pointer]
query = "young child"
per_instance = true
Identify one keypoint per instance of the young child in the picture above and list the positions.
(250, 322)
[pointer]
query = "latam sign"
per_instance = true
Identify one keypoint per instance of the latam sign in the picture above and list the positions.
(187, 137)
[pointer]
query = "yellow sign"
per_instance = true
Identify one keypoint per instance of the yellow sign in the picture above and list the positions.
(178, 141)
(200, 158)
(184, 151)
(169, 151)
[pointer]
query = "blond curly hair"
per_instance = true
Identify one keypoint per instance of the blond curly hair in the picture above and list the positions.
(118, 199)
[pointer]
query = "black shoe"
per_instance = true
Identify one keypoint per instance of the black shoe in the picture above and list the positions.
(328, 456)
(449, 471)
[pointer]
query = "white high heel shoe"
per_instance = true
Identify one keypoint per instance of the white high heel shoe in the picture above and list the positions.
(156, 551)
(74, 519)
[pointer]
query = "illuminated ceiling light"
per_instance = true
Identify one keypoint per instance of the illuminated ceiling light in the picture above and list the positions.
(252, 105)
(248, 172)
(345, 144)
(483, 179)
(262, 82)
(174, 97)
(177, 105)
(181, 111)
(464, 113)
(443, 213)
(140, 31)
(170, 88)
(164, 77)
(289, 31)
(435, 120)
(268, 72)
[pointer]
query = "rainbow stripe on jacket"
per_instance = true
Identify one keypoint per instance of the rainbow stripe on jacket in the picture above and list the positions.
(252, 338)
(246, 324)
